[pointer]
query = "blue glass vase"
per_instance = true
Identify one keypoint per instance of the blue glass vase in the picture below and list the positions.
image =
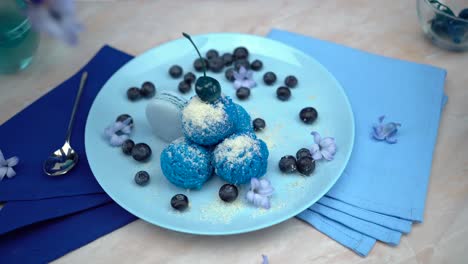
(18, 42)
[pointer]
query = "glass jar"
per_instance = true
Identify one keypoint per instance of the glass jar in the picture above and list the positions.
(18, 42)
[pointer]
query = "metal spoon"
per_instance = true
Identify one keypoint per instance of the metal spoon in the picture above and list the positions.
(65, 158)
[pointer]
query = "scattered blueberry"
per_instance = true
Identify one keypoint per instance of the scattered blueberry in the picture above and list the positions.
(216, 64)
(287, 164)
(229, 74)
(456, 30)
(227, 59)
(463, 14)
(290, 81)
(141, 152)
(308, 115)
(305, 165)
(256, 65)
(148, 90)
(228, 193)
(179, 202)
(124, 117)
(241, 63)
(142, 178)
(198, 64)
(184, 87)
(175, 71)
(189, 77)
(259, 124)
(241, 53)
(303, 152)
(283, 93)
(269, 78)
(243, 93)
(212, 53)
(133, 94)
(127, 146)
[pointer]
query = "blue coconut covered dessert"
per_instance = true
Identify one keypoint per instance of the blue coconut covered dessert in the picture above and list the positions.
(240, 157)
(244, 122)
(185, 164)
(208, 123)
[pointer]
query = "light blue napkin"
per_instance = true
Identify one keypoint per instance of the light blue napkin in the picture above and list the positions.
(381, 179)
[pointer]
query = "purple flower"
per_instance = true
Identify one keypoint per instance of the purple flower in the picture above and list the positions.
(385, 132)
(55, 17)
(265, 259)
(6, 166)
(323, 147)
(244, 78)
(118, 132)
(260, 192)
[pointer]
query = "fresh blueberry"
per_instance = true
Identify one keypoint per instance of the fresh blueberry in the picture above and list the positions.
(189, 77)
(287, 164)
(456, 31)
(283, 93)
(308, 115)
(133, 94)
(269, 78)
(148, 90)
(175, 71)
(141, 152)
(463, 14)
(439, 25)
(227, 59)
(142, 178)
(290, 81)
(127, 146)
(184, 87)
(228, 193)
(240, 53)
(179, 202)
(216, 64)
(229, 74)
(303, 152)
(198, 64)
(305, 165)
(124, 117)
(256, 65)
(241, 63)
(212, 53)
(243, 93)
(258, 124)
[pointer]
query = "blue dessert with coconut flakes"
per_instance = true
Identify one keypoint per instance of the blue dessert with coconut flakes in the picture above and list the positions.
(240, 158)
(208, 123)
(244, 122)
(185, 164)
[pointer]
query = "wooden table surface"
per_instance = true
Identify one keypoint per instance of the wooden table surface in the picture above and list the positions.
(383, 27)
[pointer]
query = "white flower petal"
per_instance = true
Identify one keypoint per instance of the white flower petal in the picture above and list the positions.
(10, 173)
(12, 161)
(3, 171)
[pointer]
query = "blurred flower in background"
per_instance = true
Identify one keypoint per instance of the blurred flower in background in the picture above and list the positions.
(56, 18)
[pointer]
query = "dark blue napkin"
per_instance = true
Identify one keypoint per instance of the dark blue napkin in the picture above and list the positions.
(37, 131)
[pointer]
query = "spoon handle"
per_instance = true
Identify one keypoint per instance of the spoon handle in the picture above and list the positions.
(84, 77)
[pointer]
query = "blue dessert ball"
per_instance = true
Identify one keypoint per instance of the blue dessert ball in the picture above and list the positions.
(244, 122)
(240, 158)
(209, 123)
(185, 164)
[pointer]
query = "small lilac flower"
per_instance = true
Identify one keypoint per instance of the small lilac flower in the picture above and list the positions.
(323, 147)
(118, 132)
(6, 166)
(55, 17)
(385, 132)
(244, 78)
(265, 259)
(260, 192)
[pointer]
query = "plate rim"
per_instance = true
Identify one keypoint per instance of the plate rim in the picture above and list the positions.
(268, 223)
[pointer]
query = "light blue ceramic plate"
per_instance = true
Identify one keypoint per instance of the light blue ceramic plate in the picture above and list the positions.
(285, 134)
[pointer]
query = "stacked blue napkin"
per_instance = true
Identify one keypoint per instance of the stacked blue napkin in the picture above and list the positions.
(384, 186)
(75, 207)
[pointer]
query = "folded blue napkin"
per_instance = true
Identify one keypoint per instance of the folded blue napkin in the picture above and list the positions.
(380, 178)
(37, 131)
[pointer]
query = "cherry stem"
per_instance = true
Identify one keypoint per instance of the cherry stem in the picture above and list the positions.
(195, 46)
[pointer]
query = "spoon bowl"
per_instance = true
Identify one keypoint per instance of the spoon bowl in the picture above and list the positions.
(61, 161)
